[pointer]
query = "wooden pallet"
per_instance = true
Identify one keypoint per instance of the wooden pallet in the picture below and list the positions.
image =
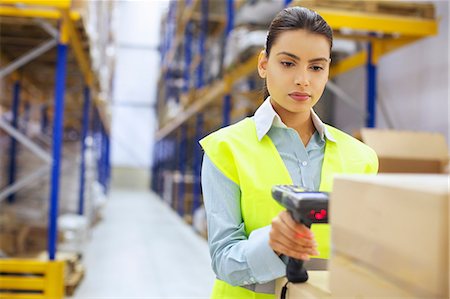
(74, 279)
(407, 9)
(73, 271)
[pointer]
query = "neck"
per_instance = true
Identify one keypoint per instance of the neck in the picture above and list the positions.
(300, 121)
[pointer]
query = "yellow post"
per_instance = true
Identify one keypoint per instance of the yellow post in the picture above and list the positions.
(54, 283)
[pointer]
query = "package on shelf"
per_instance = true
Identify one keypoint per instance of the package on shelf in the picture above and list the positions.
(8, 231)
(259, 12)
(167, 195)
(186, 182)
(21, 239)
(75, 231)
(395, 227)
(99, 19)
(199, 222)
(31, 202)
(403, 8)
(38, 190)
(212, 59)
(242, 43)
(404, 151)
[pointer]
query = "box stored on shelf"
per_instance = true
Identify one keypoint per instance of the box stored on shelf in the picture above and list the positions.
(394, 226)
(408, 151)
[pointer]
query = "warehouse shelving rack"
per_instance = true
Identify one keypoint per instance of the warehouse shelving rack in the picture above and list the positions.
(29, 65)
(382, 25)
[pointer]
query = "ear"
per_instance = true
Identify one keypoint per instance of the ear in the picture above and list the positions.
(262, 64)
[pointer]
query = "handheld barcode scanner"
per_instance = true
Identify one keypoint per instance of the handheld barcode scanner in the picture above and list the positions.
(307, 208)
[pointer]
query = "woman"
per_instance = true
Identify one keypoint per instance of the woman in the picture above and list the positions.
(285, 142)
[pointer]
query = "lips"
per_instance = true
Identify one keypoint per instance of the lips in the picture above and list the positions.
(300, 96)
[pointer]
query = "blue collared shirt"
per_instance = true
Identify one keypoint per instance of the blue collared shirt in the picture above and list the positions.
(236, 259)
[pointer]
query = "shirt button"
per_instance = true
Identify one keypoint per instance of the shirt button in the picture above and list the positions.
(304, 163)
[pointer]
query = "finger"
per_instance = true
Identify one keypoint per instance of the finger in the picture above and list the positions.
(291, 253)
(299, 231)
(298, 228)
(282, 231)
(276, 237)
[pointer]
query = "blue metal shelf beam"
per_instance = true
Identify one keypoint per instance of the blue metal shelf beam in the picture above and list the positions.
(187, 56)
(182, 157)
(60, 80)
(44, 118)
(227, 97)
(26, 117)
(371, 87)
(202, 41)
(13, 144)
(197, 162)
(84, 133)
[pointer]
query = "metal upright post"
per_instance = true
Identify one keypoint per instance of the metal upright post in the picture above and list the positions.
(182, 167)
(187, 56)
(197, 162)
(154, 169)
(107, 161)
(103, 157)
(44, 118)
(371, 68)
(60, 81)
(226, 109)
(202, 40)
(13, 144)
(227, 96)
(26, 117)
(161, 165)
(84, 131)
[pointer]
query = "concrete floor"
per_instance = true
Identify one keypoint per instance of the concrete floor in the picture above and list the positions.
(142, 249)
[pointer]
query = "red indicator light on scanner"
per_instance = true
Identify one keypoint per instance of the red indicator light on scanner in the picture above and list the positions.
(321, 215)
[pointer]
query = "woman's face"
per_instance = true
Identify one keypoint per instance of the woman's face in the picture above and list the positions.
(296, 70)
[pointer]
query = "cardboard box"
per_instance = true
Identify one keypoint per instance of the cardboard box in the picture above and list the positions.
(396, 225)
(408, 151)
(351, 280)
(317, 286)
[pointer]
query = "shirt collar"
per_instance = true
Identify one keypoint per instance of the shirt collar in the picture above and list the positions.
(266, 117)
(320, 127)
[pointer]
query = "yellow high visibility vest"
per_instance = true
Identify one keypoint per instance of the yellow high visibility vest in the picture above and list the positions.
(255, 166)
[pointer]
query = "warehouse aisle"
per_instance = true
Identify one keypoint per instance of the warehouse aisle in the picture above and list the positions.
(142, 249)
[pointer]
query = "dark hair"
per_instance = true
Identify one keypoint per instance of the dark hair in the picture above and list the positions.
(294, 18)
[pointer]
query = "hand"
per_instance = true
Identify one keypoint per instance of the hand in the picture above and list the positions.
(291, 238)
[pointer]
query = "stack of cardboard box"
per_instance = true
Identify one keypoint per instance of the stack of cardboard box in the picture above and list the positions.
(408, 151)
(390, 236)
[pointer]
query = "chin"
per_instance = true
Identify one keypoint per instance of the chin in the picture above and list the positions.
(300, 107)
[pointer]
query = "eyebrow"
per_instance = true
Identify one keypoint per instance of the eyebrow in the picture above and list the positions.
(298, 58)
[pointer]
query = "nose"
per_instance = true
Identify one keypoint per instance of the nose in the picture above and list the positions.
(302, 78)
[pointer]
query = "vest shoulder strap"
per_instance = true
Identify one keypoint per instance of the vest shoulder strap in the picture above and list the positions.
(220, 146)
(351, 149)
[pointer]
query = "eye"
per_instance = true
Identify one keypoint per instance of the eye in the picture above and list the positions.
(287, 64)
(317, 68)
